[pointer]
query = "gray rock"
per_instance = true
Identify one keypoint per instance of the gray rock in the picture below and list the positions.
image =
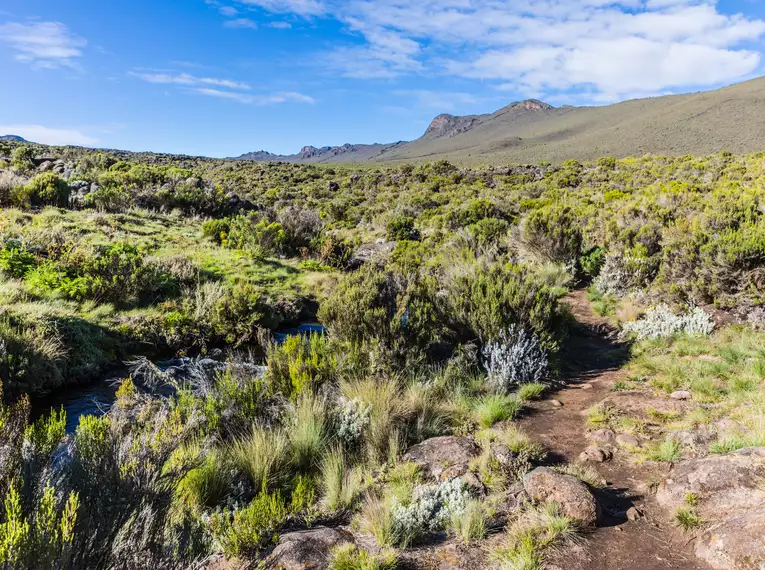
(737, 543)
(371, 252)
(556, 403)
(605, 436)
(543, 485)
(306, 549)
(681, 395)
(444, 457)
(633, 514)
(726, 485)
(595, 454)
(46, 166)
(627, 440)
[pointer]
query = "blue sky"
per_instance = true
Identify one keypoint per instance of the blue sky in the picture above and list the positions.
(224, 77)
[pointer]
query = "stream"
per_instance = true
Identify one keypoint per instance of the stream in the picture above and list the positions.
(97, 398)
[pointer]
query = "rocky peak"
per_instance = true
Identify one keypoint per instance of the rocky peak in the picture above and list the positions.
(449, 125)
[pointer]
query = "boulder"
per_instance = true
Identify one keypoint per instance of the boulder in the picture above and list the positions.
(306, 549)
(594, 454)
(444, 457)
(627, 440)
(681, 395)
(726, 485)
(736, 544)
(603, 436)
(46, 166)
(543, 485)
(371, 252)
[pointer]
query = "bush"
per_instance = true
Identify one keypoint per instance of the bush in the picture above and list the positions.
(431, 508)
(216, 230)
(15, 262)
(661, 322)
(110, 199)
(256, 234)
(479, 302)
(301, 364)
(402, 228)
(515, 358)
(22, 157)
(592, 261)
(553, 234)
(46, 189)
(246, 532)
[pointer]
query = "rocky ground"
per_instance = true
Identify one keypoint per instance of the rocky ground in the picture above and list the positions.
(627, 509)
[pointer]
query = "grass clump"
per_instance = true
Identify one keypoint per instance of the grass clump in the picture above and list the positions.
(688, 519)
(495, 408)
(350, 557)
(531, 391)
(535, 531)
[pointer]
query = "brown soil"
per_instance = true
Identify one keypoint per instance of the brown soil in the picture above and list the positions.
(593, 358)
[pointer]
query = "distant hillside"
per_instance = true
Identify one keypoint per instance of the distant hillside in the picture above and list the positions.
(732, 118)
(311, 154)
(13, 138)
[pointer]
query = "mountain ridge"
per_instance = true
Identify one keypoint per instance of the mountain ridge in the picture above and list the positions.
(731, 118)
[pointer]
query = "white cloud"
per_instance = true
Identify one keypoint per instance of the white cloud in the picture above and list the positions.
(604, 48)
(300, 7)
(441, 100)
(43, 44)
(280, 25)
(242, 23)
(266, 99)
(189, 80)
(46, 135)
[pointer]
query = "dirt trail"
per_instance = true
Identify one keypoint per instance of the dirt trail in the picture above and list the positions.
(593, 358)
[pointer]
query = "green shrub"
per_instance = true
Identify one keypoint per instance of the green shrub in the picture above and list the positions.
(401, 228)
(110, 199)
(22, 157)
(216, 230)
(256, 234)
(478, 303)
(48, 189)
(246, 532)
(301, 363)
(16, 262)
(553, 234)
(592, 261)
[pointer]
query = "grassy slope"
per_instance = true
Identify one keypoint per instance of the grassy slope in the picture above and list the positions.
(727, 119)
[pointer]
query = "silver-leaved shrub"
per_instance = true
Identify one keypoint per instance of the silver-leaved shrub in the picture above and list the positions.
(430, 510)
(661, 322)
(515, 358)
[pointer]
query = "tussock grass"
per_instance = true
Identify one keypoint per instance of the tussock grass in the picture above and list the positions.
(535, 531)
(264, 456)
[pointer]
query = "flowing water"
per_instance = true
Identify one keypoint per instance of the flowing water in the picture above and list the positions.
(97, 398)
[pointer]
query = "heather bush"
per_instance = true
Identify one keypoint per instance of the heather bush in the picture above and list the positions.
(46, 189)
(479, 301)
(553, 234)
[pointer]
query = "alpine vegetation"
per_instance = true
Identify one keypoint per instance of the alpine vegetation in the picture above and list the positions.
(430, 510)
(661, 322)
(515, 358)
